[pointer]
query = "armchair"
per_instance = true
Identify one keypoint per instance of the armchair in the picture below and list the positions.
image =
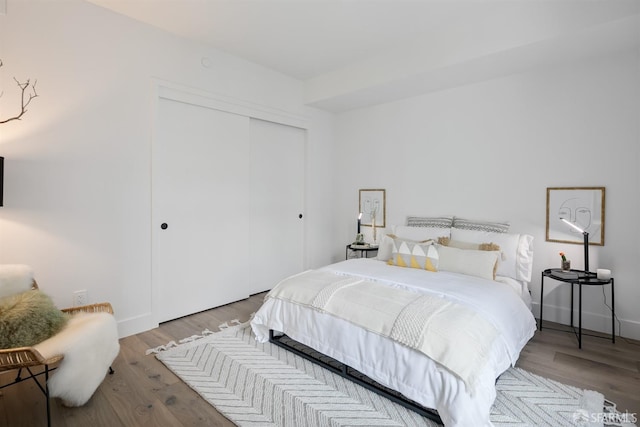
(81, 352)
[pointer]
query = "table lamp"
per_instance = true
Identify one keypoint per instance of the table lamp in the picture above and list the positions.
(586, 242)
(359, 236)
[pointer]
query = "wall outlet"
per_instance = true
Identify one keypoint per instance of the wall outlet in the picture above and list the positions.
(80, 298)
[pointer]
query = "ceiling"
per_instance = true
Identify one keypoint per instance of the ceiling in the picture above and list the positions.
(351, 53)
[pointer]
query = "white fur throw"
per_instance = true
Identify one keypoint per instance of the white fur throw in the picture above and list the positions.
(15, 278)
(89, 343)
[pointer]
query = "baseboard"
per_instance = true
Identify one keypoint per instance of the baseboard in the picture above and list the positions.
(135, 325)
(592, 321)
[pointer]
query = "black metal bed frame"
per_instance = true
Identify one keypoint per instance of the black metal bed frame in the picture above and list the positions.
(351, 374)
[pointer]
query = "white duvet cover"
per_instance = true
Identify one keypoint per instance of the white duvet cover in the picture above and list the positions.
(401, 368)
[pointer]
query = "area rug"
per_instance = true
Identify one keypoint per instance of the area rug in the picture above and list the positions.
(255, 384)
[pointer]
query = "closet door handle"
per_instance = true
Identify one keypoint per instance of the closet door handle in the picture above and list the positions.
(164, 225)
(300, 216)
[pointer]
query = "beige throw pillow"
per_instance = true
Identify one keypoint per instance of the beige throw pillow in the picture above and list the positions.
(468, 261)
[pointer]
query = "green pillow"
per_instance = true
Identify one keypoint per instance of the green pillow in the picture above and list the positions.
(28, 318)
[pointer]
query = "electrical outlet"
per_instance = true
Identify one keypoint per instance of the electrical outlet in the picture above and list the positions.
(80, 298)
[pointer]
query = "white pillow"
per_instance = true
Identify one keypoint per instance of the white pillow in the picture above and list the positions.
(524, 258)
(14, 279)
(385, 248)
(420, 233)
(517, 250)
(468, 261)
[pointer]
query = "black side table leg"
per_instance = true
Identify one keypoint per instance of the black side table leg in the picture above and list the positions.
(541, 298)
(613, 314)
(579, 315)
(572, 305)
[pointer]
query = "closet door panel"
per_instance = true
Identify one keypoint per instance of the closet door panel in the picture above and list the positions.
(276, 203)
(200, 208)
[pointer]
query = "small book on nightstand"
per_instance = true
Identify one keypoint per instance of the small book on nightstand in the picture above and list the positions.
(565, 274)
(363, 246)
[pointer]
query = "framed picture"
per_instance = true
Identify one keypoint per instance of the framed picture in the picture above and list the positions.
(583, 207)
(372, 206)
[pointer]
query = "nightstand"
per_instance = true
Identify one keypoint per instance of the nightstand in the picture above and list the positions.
(580, 278)
(364, 250)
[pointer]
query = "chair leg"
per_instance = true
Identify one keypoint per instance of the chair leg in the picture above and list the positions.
(46, 394)
(44, 388)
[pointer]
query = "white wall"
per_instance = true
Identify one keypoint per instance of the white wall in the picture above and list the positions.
(490, 150)
(77, 167)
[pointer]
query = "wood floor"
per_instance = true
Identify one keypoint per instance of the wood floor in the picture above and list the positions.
(142, 392)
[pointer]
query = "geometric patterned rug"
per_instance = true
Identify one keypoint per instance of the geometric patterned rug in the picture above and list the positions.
(255, 384)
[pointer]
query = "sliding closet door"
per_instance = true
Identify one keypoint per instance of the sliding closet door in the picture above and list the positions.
(200, 202)
(277, 203)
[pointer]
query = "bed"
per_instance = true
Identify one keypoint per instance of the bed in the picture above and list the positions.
(448, 365)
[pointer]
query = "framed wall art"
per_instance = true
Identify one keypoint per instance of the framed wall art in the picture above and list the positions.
(583, 207)
(372, 205)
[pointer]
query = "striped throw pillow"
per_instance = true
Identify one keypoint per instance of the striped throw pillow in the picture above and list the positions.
(421, 255)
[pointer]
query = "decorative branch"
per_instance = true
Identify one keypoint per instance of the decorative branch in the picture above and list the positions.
(28, 94)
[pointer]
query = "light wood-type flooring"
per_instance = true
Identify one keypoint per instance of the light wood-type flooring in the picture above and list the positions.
(142, 392)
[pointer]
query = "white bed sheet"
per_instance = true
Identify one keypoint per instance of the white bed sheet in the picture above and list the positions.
(520, 287)
(399, 367)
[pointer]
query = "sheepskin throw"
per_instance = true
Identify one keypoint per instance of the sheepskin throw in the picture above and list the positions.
(89, 343)
(28, 318)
